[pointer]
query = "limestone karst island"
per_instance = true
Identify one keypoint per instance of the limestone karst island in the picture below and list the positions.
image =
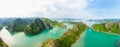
(59, 23)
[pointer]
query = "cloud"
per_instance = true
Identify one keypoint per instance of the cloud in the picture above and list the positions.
(12, 8)
(63, 8)
(44, 8)
(60, 8)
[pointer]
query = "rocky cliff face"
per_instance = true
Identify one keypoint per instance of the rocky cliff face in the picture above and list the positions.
(30, 26)
(113, 27)
(17, 25)
(3, 44)
(37, 26)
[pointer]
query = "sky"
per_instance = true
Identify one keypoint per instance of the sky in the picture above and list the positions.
(89, 9)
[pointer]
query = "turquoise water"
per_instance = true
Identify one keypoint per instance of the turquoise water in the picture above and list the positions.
(21, 40)
(89, 38)
(92, 38)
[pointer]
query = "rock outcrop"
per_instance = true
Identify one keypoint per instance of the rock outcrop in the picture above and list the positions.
(30, 26)
(17, 25)
(3, 44)
(37, 26)
(112, 27)
(49, 43)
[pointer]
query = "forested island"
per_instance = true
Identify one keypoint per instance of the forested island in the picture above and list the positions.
(68, 38)
(2, 44)
(17, 25)
(112, 27)
(34, 26)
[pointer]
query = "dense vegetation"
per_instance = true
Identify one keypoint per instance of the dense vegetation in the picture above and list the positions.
(68, 21)
(68, 38)
(32, 25)
(50, 43)
(113, 27)
(60, 24)
(6, 21)
(17, 25)
(49, 21)
(37, 26)
(55, 23)
(2, 44)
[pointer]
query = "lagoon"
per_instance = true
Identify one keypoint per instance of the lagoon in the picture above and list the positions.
(89, 38)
